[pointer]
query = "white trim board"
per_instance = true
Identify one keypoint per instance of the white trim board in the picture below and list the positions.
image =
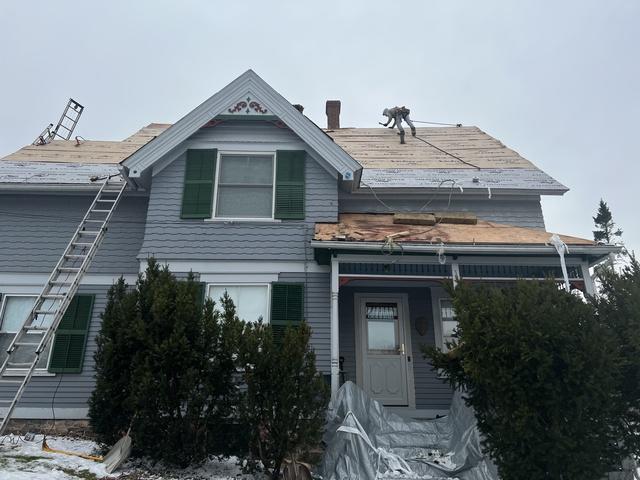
(45, 413)
(239, 267)
(11, 280)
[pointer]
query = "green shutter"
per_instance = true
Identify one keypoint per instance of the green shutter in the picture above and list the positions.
(290, 184)
(197, 196)
(70, 341)
(287, 307)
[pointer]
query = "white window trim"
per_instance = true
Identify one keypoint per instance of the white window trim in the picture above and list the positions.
(265, 319)
(216, 176)
(21, 372)
(440, 319)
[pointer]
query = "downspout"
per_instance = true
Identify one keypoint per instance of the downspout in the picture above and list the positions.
(335, 326)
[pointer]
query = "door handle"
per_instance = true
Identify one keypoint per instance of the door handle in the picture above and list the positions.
(401, 349)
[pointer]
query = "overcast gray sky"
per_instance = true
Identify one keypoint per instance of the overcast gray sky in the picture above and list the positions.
(558, 81)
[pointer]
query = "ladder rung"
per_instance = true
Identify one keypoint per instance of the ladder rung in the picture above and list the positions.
(106, 200)
(54, 295)
(81, 244)
(100, 211)
(26, 344)
(61, 282)
(45, 312)
(69, 269)
(95, 221)
(89, 232)
(35, 328)
(68, 255)
(19, 364)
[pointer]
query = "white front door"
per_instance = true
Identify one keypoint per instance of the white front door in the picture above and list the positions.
(383, 348)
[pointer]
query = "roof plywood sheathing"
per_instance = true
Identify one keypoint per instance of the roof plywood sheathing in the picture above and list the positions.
(380, 227)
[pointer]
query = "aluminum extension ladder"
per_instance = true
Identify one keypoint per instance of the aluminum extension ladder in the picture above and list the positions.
(66, 125)
(50, 306)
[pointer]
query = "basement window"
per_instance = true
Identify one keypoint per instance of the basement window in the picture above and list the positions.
(251, 300)
(14, 310)
(244, 186)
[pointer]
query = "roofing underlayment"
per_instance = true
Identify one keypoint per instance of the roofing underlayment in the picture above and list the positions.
(356, 227)
(71, 162)
(422, 161)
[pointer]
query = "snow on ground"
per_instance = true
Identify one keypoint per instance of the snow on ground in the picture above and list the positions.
(23, 460)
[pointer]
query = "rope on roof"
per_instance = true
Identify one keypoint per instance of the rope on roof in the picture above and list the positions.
(447, 153)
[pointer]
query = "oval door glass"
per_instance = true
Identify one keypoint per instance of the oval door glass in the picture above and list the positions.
(382, 327)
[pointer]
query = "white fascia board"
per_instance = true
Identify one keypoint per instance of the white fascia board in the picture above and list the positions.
(595, 250)
(248, 82)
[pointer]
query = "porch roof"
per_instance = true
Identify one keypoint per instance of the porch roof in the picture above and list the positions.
(356, 227)
(378, 231)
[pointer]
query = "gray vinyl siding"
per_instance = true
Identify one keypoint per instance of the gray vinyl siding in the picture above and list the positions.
(525, 212)
(74, 388)
(431, 392)
(317, 310)
(168, 236)
(35, 229)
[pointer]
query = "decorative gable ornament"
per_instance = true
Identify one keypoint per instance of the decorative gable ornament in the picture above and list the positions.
(248, 106)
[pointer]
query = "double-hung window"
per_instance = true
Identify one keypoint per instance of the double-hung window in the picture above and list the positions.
(244, 186)
(14, 310)
(251, 301)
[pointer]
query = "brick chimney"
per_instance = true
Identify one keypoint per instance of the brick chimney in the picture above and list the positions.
(333, 114)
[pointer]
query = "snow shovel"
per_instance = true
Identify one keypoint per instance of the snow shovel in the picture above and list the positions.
(118, 453)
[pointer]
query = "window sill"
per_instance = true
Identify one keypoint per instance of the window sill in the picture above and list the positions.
(243, 220)
(21, 372)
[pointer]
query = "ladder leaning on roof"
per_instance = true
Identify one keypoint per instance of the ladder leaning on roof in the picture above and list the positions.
(51, 305)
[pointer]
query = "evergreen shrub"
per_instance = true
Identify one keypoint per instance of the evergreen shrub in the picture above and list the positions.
(541, 369)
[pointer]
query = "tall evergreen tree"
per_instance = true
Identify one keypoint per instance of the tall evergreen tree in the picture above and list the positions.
(165, 364)
(606, 230)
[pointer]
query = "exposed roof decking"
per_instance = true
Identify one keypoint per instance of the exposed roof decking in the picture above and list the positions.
(388, 164)
(376, 148)
(88, 151)
(378, 227)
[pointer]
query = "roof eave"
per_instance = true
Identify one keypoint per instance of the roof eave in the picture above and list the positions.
(478, 191)
(597, 251)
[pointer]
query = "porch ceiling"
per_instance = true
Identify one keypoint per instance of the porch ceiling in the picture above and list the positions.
(380, 228)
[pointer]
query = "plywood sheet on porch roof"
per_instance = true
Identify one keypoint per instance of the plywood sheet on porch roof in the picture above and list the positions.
(89, 151)
(378, 227)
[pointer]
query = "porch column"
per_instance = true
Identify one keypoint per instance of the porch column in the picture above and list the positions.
(455, 273)
(335, 326)
(589, 285)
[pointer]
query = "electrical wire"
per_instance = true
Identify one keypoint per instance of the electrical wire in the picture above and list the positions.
(376, 196)
(447, 153)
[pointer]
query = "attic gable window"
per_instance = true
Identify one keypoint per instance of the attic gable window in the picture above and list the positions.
(244, 186)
